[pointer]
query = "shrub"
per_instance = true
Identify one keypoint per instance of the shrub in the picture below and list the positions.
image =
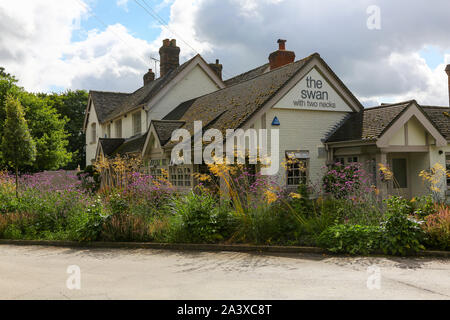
(352, 239)
(437, 227)
(197, 218)
(125, 227)
(401, 232)
(87, 225)
(342, 181)
(423, 206)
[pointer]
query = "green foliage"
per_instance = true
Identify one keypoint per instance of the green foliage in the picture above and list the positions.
(17, 145)
(54, 124)
(48, 130)
(353, 239)
(401, 233)
(72, 106)
(197, 218)
(87, 225)
(423, 206)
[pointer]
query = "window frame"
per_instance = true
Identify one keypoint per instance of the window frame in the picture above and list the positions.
(118, 127)
(303, 174)
(137, 122)
(94, 132)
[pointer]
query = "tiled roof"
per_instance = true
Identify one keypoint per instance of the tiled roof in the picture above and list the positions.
(110, 144)
(114, 104)
(368, 124)
(131, 145)
(106, 102)
(247, 75)
(441, 118)
(230, 107)
(164, 129)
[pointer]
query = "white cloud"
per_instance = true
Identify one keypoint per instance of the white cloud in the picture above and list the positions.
(36, 46)
(378, 66)
(122, 4)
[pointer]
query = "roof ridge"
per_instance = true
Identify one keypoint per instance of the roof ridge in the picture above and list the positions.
(279, 68)
(114, 92)
(440, 107)
(389, 105)
(155, 120)
(247, 72)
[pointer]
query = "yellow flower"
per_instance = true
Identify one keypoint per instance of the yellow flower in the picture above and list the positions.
(271, 196)
(294, 195)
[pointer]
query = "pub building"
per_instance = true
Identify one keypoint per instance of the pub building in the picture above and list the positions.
(320, 121)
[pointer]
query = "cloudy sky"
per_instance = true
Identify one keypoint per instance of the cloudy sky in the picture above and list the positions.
(53, 45)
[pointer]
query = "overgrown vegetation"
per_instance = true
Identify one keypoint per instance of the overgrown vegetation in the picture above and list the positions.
(134, 206)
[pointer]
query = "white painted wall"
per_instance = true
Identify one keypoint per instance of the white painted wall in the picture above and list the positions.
(303, 130)
(91, 147)
(195, 84)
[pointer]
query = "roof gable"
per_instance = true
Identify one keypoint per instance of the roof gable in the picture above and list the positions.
(378, 124)
(154, 90)
(314, 91)
(412, 110)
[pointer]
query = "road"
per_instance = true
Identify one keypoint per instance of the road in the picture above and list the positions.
(37, 272)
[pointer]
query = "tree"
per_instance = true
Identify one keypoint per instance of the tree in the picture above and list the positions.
(72, 105)
(18, 147)
(47, 127)
(48, 130)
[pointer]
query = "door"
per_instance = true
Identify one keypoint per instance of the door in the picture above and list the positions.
(400, 184)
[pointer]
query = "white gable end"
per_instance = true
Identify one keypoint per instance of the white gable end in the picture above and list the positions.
(313, 92)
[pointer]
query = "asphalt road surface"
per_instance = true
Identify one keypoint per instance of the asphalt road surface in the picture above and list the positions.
(35, 272)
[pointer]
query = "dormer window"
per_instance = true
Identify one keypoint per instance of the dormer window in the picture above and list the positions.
(137, 123)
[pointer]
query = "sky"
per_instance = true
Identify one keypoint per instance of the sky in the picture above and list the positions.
(385, 51)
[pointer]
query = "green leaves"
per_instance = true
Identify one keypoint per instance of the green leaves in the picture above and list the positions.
(353, 239)
(18, 147)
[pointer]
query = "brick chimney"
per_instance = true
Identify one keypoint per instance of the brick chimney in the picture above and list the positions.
(281, 57)
(447, 69)
(169, 55)
(149, 77)
(217, 68)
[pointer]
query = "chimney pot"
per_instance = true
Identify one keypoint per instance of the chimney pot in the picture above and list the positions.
(281, 44)
(281, 57)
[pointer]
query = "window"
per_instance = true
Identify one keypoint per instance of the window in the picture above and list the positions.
(108, 130)
(345, 160)
(400, 173)
(136, 123)
(119, 128)
(447, 164)
(180, 176)
(297, 167)
(94, 133)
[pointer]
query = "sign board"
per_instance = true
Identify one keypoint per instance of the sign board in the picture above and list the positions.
(313, 92)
